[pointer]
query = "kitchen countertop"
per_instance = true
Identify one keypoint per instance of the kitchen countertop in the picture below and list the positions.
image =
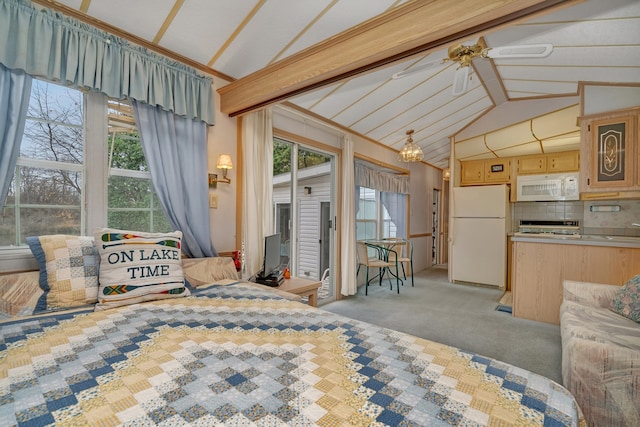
(615, 241)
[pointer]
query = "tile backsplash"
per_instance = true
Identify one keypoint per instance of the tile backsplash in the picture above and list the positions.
(605, 223)
(613, 223)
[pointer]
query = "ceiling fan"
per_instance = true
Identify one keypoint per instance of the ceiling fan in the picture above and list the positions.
(465, 54)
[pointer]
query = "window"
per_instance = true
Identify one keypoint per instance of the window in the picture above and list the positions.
(48, 194)
(373, 217)
(132, 202)
(45, 196)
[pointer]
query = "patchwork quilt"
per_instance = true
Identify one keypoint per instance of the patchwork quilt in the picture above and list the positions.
(237, 355)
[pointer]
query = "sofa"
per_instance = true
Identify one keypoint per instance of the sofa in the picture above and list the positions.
(600, 354)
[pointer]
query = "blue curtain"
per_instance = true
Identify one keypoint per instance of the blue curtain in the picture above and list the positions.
(15, 89)
(48, 44)
(176, 151)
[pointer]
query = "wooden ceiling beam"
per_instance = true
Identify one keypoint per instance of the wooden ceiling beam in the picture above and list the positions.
(412, 28)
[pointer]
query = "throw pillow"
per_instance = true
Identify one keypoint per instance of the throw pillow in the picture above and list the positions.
(204, 271)
(626, 302)
(68, 270)
(138, 266)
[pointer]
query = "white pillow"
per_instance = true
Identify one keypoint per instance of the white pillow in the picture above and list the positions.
(138, 266)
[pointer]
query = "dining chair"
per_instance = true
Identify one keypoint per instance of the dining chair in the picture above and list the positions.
(403, 254)
(380, 262)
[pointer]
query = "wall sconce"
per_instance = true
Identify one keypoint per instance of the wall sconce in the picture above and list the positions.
(224, 163)
(307, 190)
(446, 174)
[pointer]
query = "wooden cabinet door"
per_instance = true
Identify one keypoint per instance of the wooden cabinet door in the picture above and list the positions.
(613, 150)
(568, 161)
(472, 172)
(497, 170)
(532, 164)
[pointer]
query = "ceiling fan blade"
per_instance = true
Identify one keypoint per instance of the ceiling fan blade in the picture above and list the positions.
(522, 51)
(460, 79)
(417, 68)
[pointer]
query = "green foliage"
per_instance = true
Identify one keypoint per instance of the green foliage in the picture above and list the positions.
(282, 158)
(127, 153)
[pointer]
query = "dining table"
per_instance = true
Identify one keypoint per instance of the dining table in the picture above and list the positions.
(383, 248)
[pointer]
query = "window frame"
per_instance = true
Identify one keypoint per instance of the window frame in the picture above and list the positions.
(95, 173)
(382, 218)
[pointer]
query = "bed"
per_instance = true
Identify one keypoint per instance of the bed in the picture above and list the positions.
(237, 353)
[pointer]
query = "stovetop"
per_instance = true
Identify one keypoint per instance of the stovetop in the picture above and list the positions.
(549, 228)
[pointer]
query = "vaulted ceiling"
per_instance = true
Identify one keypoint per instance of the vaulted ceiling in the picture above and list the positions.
(593, 41)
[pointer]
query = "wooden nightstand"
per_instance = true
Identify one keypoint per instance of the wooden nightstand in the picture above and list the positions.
(303, 287)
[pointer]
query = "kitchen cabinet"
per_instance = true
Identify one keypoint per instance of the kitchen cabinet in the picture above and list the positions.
(538, 270)
(532, 164)
(488, 171)
(565, 161)
(610, 153)
(472, 172)
(497, 171)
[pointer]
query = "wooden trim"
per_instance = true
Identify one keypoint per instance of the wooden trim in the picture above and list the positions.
(84, 6)
(66, 10)
(168, 20)
(416, 236)
(239, 183)
(611, 114)
(337, 278)
(295, 138)
(236, 32)
(415, 27)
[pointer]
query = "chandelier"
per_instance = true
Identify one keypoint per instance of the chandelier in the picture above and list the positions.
(410, 152)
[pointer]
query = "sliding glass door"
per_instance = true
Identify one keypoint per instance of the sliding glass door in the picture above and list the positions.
(304, 208)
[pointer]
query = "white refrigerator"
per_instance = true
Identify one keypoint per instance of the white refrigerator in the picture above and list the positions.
(481, 221)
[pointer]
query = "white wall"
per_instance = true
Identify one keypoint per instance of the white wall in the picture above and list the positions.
(222, 140)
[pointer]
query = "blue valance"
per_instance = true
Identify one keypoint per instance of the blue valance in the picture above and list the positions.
(48, 44)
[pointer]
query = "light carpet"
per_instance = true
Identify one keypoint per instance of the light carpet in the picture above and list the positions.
(463, 316)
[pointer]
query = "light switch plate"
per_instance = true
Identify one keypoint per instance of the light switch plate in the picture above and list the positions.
(213, 201)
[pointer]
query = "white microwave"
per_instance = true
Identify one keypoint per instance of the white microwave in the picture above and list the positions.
(548, 187)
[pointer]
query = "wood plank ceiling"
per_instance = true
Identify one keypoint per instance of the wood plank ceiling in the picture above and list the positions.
(245, 40)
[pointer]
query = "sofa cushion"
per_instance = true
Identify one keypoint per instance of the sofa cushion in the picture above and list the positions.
(601, 363)
(577, 320)
(68, 270)
(626, 302)
(138, 266)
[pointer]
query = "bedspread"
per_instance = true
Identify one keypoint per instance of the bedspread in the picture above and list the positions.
(237, 355)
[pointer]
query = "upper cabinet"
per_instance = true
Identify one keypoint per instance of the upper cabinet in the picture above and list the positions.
(610, 153)
(566, 161)
(489, 171)
(532, 164)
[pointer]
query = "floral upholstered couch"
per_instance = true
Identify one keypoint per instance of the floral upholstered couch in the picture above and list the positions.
(601, 350)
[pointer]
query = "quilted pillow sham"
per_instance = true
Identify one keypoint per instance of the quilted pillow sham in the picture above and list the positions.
(68, 270)
(138, 266)
(626, 301)
(19, 294)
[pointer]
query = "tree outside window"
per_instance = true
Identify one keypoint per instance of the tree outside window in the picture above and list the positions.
(46, 195)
